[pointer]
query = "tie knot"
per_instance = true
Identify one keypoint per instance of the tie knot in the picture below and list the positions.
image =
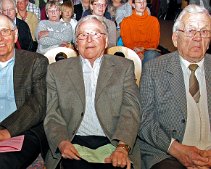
(193, 67)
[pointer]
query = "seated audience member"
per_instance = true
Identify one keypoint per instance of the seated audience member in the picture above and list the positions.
(53, 33)
(22, 98)
(80, 8)
(106, 14)
(67, 9)
(25, 40)
(29, 17)
(120, 9)
(98, 8)
(92, 101)
(176, 98)
(34, 9)
(43, 11)
(141, 32)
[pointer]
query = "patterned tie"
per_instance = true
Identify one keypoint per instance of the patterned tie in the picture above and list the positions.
(193, 83)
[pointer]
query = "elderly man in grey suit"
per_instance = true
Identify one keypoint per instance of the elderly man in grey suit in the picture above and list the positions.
(92, 101)
(22, 98)
(176, 98)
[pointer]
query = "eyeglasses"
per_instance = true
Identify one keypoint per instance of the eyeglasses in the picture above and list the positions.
(140, 1)
(98, 5)
(192, 32)
(94, 35)
(53, 10)
(8, 10)
(6, 32)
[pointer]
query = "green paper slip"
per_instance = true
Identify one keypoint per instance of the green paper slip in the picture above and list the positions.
(95, 155)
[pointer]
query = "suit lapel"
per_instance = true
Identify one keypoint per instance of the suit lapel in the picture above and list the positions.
(176, 81)
(76, 76)
(106, 71)
(18, 73)
(207, 63)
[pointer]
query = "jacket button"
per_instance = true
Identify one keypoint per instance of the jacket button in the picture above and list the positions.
(183, 120)
(174, 131)
(82, 114)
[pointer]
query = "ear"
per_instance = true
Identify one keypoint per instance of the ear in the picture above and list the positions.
(106, 45)
(174, 38)
(16, 35)
(91, 7)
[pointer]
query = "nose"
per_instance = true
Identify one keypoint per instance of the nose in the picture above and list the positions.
(197, 36)
(89, 38)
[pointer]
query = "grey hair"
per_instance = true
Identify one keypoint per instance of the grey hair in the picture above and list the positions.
(13, 25)
(92, 17)
(191, 9)
(12, 1)
(52, 3)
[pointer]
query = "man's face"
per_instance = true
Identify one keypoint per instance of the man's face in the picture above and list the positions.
(8, 9)
(7, 41)
(140, 6)
(91, 46)
(192, 48)
(54, 13)
(22, 4)
(98, 7)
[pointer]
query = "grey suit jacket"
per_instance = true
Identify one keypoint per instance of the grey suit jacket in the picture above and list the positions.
(164, 107)
(29, 76)
(116, 102)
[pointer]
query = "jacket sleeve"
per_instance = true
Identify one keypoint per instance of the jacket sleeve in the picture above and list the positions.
(33, 110)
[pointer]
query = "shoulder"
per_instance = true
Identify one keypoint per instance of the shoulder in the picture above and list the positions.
(118, 60)
(162, 63)
(64, 64)
(26, 58)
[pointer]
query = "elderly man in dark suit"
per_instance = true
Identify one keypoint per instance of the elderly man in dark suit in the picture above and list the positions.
(92, 101)
(176, 98)
(22, 98)
(25, 40)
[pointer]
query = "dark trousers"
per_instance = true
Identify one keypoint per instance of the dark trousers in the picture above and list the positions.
(92, 142)
(169, 163)
(22, 159)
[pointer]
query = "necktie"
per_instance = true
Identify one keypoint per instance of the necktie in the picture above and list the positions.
(193, 83)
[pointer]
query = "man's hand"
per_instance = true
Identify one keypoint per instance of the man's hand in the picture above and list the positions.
(42, 34)
(4, 134)
(68, 150)
(189, 156)
(119, 158)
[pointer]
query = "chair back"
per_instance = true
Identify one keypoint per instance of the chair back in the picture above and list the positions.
(131, 55)
(52, 53)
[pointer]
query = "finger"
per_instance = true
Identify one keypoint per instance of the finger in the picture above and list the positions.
(107, 160)
(128, 164)
(115, 163)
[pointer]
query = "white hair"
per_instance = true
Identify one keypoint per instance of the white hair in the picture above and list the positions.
(190, 9)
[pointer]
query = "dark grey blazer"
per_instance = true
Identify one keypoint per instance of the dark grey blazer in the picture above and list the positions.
(30, 94)
(164, 107)
(116, 102)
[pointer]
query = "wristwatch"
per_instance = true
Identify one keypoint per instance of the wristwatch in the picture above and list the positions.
(124, 146)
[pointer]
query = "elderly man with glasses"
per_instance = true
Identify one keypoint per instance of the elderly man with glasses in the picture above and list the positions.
(22, 98)
(176, 98)
(93, 108)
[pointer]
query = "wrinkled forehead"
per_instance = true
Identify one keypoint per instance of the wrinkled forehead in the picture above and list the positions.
(5, 23)
(91, 25)
(198, 21)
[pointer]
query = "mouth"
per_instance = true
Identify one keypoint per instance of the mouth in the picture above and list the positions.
(2, 45)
